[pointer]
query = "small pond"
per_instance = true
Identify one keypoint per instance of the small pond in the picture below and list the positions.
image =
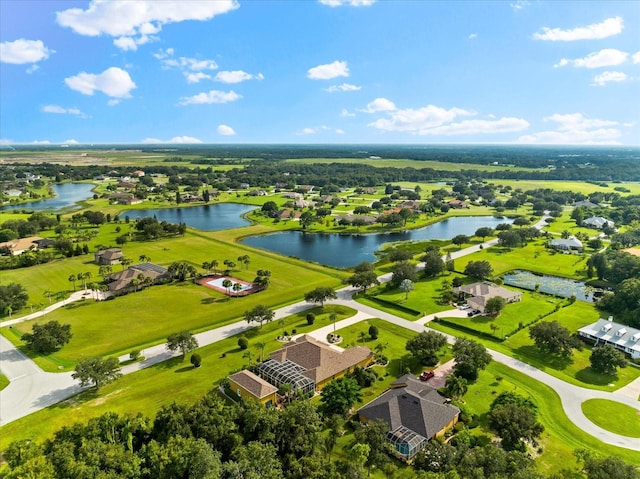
(343, 251)
(217, 216)
(555, 285)
(66, 195)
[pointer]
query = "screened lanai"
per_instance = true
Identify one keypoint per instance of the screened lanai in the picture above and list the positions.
(286, 372)
(406, 442)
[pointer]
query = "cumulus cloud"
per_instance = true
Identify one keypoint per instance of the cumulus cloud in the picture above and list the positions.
(176, 139)
(71, 142)
(575, 129)
(57, 109)
(476, 127)
(312, 130)
(329, 71)
(225, 130)
(193, 69)
(520, 5)
(607, 77)
(41, 142)
(339, 131)
(379, 104)
(473, 36)
(604, 58)
(343, 87)
(636, 57)
(113, 82)
(133, 23)
(212, 96)
(595, 31)
(23, 51)
(346, 113)
(351, 3)
(237, 76)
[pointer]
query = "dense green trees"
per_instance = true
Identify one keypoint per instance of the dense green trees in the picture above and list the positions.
(339, 396)
(13, 297)
(514, 419)
(552, 338)
(425, 346)
(495, 305)
(320, 295)
(259, 314)
(478, 269)
(48, 337)
(606, 360)
(363, 277)
(183, 341)
(97, 371)
(470, 357)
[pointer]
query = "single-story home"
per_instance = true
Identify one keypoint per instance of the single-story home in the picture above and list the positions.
(605, 331)
(20, 245)
(247, 385)
(317, 362)
(108, 256)
(598, 222)
(477, 294)
(584, 204)
(457, 204)
(123, 281)
(568, 244)
(415, 413)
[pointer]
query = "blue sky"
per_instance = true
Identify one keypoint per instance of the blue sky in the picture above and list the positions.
(327, 71)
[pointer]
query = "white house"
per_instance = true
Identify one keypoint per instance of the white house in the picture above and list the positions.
(598, 222)
(571, 243)
(624, 338)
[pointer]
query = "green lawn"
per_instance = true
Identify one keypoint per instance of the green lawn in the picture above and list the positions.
(613, 416)
(4, 382)
(561, 185)
(533, 257)
(140, 391)
(575, 370)
(560, 437)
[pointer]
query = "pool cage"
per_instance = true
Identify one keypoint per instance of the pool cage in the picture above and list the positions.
(406, 442)
(278, 373)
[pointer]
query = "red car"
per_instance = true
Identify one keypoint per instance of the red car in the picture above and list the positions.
(426, 375)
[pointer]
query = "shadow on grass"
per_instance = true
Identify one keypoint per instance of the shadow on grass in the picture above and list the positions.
(207, 301)
(589, 376)
(184, 369)
(79, 304)
(542, 360)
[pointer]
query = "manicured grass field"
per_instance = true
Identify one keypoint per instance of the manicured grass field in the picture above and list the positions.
(565, 223)
(180, 382)
(577, 186)
(560, 437)
(613, 416)
(575, 370)
(533, 257)
(4, 382)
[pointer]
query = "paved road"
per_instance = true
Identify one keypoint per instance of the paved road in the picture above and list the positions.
(32, 389)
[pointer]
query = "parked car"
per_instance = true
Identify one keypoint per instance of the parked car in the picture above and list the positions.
(426, 375)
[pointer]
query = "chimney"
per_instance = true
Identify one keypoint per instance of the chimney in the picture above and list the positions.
(610, 318)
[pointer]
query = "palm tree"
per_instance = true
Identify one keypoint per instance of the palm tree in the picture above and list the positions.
(124, 261)
(85, 277)
(134, 284)
(143, 258)
(48, 294)
(237, 287)
(72, 279)
(245, 259)
(282, 323)
(332, 318)
(247, 354)
(226, 284)
(261, 345)
(455, 386)
(206, 266)
(104, 271)
(362, 336)
(9, 310)
(214, 265)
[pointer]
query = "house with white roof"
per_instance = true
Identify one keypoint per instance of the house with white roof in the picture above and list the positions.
(605, 331)
(598, 222)
(568, 244)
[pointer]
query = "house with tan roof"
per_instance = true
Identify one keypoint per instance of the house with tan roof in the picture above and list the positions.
(136, 277)
(247, 385)
(20, 245)
(108, 256)
(477, 294)
(309, 364)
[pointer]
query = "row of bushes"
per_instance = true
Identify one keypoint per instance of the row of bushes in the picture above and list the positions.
(391, 304)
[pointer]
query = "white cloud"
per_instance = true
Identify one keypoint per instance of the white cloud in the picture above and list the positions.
(192, 68)
(329, 71)
(113, 82)
(71, 142)
(213, 96)
(176, 139)
(63, 111)
(132, 23)
(41, 142)
(343, 87)
(352, 3)
(419, 120)
(6, 141)
(604, 58)
(595, 31)
(346, 113)
(23, 51)
(225, 130)
(476, 127)
(379, 104)
(575, 129)
(340, 131)
(636, 57)
(236, 76)
(520, 5)
(313, 130)
(607, 77)
(473, 36)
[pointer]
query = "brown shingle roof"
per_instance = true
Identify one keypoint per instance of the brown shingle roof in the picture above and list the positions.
(252, 383)
(320, 360)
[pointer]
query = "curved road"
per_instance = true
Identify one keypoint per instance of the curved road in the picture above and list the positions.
(31, 389)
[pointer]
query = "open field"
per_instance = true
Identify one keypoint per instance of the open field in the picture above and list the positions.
(417, 164)
(613, 416)
(140, 391)
(577, 186)
(575, 370)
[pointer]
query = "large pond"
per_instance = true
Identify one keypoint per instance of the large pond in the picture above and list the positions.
(217, 216)
(343, 251)
(66, 195)
(563, 287)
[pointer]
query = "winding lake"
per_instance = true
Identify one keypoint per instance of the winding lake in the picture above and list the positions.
(67, 194)
(343, 251)
(217, 216)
